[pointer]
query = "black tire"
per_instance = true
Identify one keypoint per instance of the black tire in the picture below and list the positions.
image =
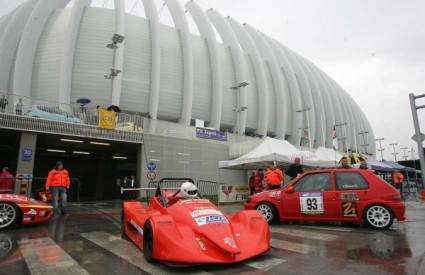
(268, 211)
(9, 215)
(148, 241)
(378, 216)
(7, 246)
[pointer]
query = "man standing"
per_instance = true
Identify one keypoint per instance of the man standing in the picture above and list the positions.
(363, 165)
(398, 179)
(6, 181)
(273, 177)
(295, 169)
(58, 182)
(252, 183)
(259, 177)
(344, 164)
(19, 106)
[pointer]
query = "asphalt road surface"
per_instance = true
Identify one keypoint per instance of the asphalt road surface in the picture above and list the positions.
(89, 242)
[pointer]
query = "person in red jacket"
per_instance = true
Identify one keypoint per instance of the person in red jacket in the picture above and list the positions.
(252, 183)
(274, 177)
(6, 181)
(58, 182)
(259, 177)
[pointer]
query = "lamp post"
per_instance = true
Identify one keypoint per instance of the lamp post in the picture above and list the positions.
(117, 38)
(380, 147)
(308, 125)
(344, 135)
(395, 154)
(239, 107)
(404, 152)
(363, 133)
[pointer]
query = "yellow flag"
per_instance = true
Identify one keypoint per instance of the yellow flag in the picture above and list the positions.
(106, 119)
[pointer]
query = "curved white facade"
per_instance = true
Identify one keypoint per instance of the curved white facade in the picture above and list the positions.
(59, 54)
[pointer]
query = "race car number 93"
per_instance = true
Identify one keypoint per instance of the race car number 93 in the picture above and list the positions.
(311, 203)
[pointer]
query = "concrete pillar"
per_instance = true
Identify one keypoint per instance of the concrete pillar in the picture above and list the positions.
(25, 164)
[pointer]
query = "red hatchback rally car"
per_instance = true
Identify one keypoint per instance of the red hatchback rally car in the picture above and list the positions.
(334, 195)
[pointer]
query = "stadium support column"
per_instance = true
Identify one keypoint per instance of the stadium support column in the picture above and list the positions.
(119, 53)
(25, 165)
(152, 16)
(180, 22)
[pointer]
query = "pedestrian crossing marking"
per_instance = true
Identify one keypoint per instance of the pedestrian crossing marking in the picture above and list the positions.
(304, 233)
(128, 251)
(44, 256)
(263, 263)
(291, 246)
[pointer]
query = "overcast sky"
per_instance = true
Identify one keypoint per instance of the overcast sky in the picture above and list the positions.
(375, 49)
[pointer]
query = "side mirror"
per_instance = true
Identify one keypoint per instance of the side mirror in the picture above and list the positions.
(289, 190)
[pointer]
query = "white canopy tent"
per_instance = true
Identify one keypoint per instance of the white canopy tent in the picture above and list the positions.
(280, 151)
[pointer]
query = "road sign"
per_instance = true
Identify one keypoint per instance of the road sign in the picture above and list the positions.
(151, 166)
(151, 175)
(28, 176)
(422, 137)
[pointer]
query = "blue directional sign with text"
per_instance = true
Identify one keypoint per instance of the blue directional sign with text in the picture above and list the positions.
(26, 154)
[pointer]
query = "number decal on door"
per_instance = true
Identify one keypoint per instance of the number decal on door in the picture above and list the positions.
(311, 203)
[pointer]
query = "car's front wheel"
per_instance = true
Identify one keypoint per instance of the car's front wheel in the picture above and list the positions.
(268, 211)
(378, 216)
(148, 241)
(9, 214)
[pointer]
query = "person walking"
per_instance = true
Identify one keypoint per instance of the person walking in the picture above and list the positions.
(259, 177)
(252, 183)
(6, 181)
(3, 103)
(295, 169)
(274, 177)
(58, 182)
(398, 179)
(19, 107)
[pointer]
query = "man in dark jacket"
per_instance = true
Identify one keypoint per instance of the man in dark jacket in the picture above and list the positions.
(295, 169)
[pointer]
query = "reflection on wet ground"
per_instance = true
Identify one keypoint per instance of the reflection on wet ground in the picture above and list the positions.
(89, 242)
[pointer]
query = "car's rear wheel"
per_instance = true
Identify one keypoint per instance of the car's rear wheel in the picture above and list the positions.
(378, 216)
(9, 215)
(148, 241)
(268, 211)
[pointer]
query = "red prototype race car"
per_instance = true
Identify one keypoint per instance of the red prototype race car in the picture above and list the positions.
(192, 231)
(17, 209)
(337, 195)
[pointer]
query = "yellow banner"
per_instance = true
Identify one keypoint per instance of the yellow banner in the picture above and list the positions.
(106, 119)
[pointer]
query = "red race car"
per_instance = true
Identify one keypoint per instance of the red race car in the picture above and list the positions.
(17, 209)
(337, 195)
(179, 230)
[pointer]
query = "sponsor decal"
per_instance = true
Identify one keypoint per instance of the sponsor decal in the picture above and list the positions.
(257, 219)
(203, 212)
(27, 219)
(242, 189)
(202, 207)
(311, 203)
(349, 209)
(42, 213)
(31, 212)
(349, 186)
(211, 219)
(275, 194)
(194, 201)
(10, 197)
(349, 196)
(137, 227)
(229, 241)
(201, 244)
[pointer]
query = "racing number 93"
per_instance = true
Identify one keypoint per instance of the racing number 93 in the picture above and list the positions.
(311, 204)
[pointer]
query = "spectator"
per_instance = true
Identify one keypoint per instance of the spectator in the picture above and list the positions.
(295, 169)
(252, 183)
(3, 103)
(274, 177)
(363, 165)
(19, 106)
(398, 179)
(344, 164)
(259, 177)
(6, 181)
(58, 182)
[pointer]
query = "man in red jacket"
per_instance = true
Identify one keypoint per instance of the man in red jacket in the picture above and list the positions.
(274, 177)
(6, 181)
(58, 182)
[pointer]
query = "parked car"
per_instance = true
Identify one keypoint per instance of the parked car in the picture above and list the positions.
(53, 113)
(192, 231)
(336, 195)
(17, 209)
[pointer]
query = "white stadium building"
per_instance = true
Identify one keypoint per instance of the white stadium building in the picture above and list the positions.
(229, 77)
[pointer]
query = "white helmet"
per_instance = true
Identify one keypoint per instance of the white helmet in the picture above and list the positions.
(189, 190)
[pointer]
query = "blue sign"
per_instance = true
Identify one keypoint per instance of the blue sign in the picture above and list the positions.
(151, 166)
(28, 177)
(211, 134)
(26, 154)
